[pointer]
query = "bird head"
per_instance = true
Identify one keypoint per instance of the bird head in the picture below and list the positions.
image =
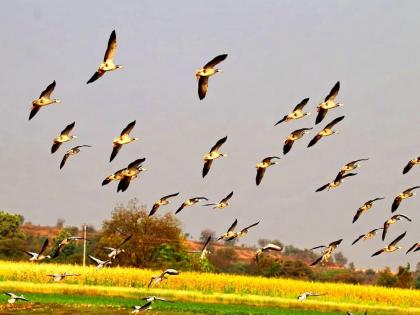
(57, 100)
(119, 67)
(307, 114)
(340, 104)
(73, 137)
(223, 154)
(218, 70)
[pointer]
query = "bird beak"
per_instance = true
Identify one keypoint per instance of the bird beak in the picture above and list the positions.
(57, 101)
(308, 114)
(120, 67)
(75, 137)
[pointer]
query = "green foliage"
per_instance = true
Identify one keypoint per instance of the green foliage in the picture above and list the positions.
(386, 278)
(404, 277)
(12, 240)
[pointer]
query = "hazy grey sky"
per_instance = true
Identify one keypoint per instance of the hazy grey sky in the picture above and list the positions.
(279, 53)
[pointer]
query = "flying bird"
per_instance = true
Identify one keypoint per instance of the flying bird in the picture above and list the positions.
(295, 135)
(231, 234)
(123, 139)
(73, 151)
(366, 236)
(327, 252)
(203, 74)
(222, 203)
(204, 252)
(352, 165)
(100, 263)
(131, 172)
(327, 131)
(410, 165)
(65, 242)
(267, 248)
(394, 219)
(305, 295)
(365, 207)
(157, 279)
(262, 166)
(212, 155)
(63, 137)
(60, 276)
(338, 180)
(38, 256)
(118, 175)
(414, 248)
(114, 252)
(43, 100)
(155, 298)
(146, 307)
(328, 103)
(14, 297)
(391, 247)
(190, 202)
(161, 202)
(296, 113)
(404, 195)
(108, 63)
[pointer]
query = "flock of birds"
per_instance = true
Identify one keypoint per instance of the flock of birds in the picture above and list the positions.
(126, 175)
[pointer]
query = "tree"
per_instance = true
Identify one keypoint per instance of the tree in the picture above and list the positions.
(206, 233)
(156, 242)
(11, 237)
(340, 259)
(386, 278)
(404, 277)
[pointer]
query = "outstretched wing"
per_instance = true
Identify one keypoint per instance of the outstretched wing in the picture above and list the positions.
(333, 92)
(128, 129)
(215, 61)
(112, 47)
(125, 240)
(47, 92)
(206, 243)
(63, 161)
(44, 246)
(206, 167)
(68, 128)
(218, 144)
(203, 84)
(399, 238)
(96, 76)
(334, 122)
(226, 199)
(314, 140)
(301, 105)
(248, 227)
(321, 115)
(170, 196)
(378, 252)
(316, 261)
(123, 184)
(115, 151)
(136, 163)
(322, 188)
(260, 175)
(408, 167)
(287, 146)
(411, 248)
(233, 226)
(357, 239)
(34, 110)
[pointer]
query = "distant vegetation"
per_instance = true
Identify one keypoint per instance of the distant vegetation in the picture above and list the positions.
(159, 242)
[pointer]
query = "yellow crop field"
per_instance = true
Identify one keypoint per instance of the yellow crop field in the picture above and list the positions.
(206, 287)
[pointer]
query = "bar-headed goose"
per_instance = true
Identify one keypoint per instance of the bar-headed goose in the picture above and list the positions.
(43, 100)
(204, 73)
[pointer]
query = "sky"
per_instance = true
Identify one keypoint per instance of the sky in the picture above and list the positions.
(279, 52)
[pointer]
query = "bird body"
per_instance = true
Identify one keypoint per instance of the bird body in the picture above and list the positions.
(366, 236)
(43, 100)
(339, 179)
(327, 131)
(262, 166)
(328, 103)
(305, 295)
(161, 202)
(203, 74)
(392, 247)
(352, 165)
(65, 242)
(404, 195)
(36, 257)
(327, 252)
(295, 135)
(13, 297)
(394, 219)
(266, 248)
(114, 252)
(122, 139)
(157, 279)
(63, 137)
(212, 155)
(73, 151)
(231, 234)
(410, 165)
(297, 112)
(365, 207)
(60, 276)
(222, 203)
(190, 202)
(100, 263)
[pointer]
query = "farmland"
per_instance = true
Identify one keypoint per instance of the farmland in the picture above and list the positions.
(194, 291)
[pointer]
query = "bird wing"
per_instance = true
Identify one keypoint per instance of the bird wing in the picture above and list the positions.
(218, 144)
(63, 161)
(145, 306)
(272, 247)
(314, 140)
(154, 209)
(408, 167)
(269, 158)
(116, 148)
(233, 226)
(112, 47)
(334, 122)
(333, 92)
(206, 167)
(410, 189)
(203, 84)
(172, 272)
(68, 128)
(180, 208)
(128, 129)
(34, 110)
(170, 196)
(395, 204)
(322, 112)
(317, 261)
(136, 163)
(44, 246)
(287, 146)
(399, 238)
(403, 216)
(316, 247)
(385, 230)
(55, 147)
(358, 213)
(96, 260)
(47, 92)
(335, 243)
(378, 252)
(248, 227)
(150, 282)
(125, 240)
(260, 175)
(96, 76)
(301, 105)
(411, 248)
(215, 61)
(357, 239)
(206, 243)
(322, 187)
(57, 252)
(226, 199)
(281, 120)
(123, 184)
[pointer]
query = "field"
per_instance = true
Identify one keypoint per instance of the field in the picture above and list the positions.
(198, 293)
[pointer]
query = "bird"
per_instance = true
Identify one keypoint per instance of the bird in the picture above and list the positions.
(63, 137)
(212, 155)
(204, 252)
(108, 63)
(146, 307)
(100, 263)
(327, 252)
(391, 247)
(266, 248)
(65, 242)
(367, 236)
(352, 165)
(73, 151)
(14, 297)
(190, 202)
(231, 234)
(338, 180)
(365, 207)
(404, 195)
(393, 220)
(414, 248)
(43, 100)
(296, 113)
(161, 202)
(203, 74)
(39, 256)
(156, 279)
(155, 298)
(327, 131)
(348, 313)
(222, 203)
(60, 276)
(295, 135)
(132, 171)
(305, 295)
(410, 165)
(328, 103)
(114, 252)
(262, 166)
(118, 175)
(124, 138)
